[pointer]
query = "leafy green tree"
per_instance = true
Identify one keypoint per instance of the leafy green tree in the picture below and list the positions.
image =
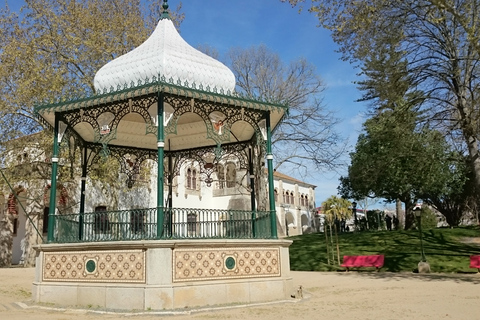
(457, 194)
(393, 160)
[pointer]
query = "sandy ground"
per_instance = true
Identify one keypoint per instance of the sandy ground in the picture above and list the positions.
(352, 295)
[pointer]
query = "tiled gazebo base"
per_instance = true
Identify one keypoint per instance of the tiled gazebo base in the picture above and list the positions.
(162, 275)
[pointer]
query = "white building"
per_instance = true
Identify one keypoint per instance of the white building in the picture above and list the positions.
(22, 218)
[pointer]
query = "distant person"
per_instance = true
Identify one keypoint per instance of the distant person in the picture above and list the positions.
(388, 220)
(395, 223)
(363, 223)
(342, 225)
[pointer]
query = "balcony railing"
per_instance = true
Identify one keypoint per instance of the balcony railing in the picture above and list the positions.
(179, 223)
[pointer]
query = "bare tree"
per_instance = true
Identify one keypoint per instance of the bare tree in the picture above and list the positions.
(306, 139)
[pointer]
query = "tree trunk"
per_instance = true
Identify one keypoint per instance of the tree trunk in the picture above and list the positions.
(338, 248)
(469, 128)
(409, 217)
(326, 242)
(473, 152)
(331, 244)
(261, 180)
(400, 214)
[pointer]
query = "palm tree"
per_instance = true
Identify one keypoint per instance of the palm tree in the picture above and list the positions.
(336, 209)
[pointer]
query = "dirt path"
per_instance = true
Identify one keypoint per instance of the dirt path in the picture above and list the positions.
(352, 295)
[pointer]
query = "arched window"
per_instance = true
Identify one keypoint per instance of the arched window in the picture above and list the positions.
(194, 179)
(275, 195)
(231, 175)
(292, 198)
(302, 200)
(306, 201)
(191, 179)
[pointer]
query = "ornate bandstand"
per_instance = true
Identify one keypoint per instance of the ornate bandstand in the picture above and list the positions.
(168, 104)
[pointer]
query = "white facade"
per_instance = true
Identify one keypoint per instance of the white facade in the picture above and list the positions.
(295, 205)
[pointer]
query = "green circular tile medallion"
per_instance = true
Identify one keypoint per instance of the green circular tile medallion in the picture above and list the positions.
(230, 263)
(90, 266)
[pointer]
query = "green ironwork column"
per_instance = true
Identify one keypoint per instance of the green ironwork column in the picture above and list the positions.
(53, 185)
(271, 190)
(82, 193)
(170, 193)
(252, 190)
(160, 177)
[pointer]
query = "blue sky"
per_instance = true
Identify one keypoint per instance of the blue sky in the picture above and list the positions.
(224, 24)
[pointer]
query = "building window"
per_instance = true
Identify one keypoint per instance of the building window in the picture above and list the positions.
(102, 223)
(194, 179)
(285, 197)
(15, 226)
(227, 176)
(231, 175)
(275, 195)
(46, 211)
(304, 200)
(191, 179)
(292, 198)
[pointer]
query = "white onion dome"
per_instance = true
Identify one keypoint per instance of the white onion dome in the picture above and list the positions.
(165, 54)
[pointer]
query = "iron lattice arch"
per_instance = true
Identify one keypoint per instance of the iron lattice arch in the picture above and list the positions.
(131, 158)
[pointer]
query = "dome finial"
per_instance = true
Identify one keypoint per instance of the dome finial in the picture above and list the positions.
(165, 14)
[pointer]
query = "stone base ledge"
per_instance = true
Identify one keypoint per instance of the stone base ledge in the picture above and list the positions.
(158, 275)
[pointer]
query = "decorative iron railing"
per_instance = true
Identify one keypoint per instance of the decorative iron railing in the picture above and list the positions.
(179, 223)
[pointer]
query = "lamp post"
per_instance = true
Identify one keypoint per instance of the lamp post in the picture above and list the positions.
(423, 265)
(354, 210)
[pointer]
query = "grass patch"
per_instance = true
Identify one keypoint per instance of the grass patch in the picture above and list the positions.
(445, 249)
